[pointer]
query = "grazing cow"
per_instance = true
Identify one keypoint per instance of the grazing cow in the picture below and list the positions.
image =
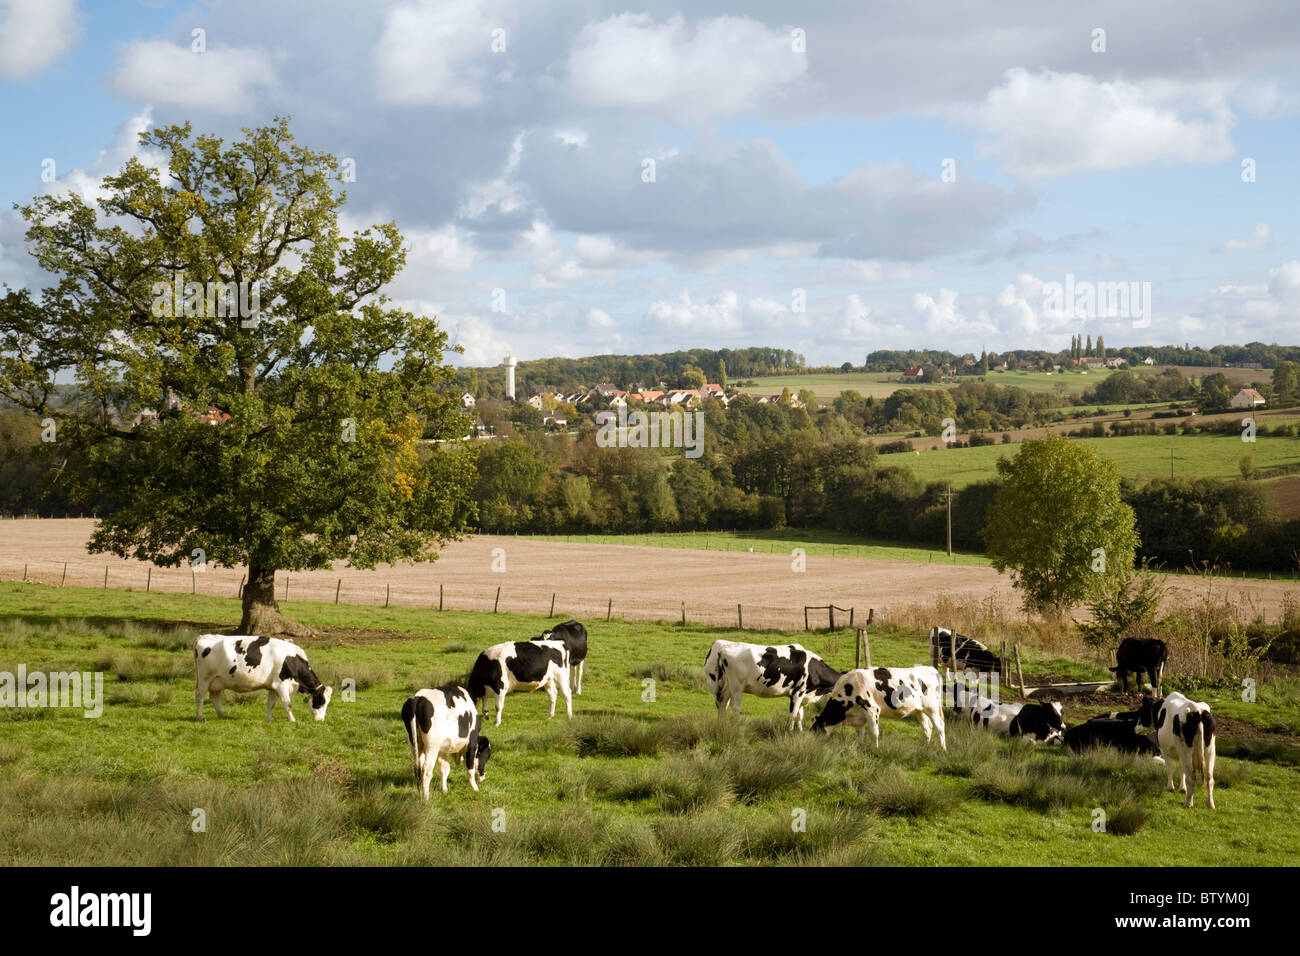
(1040, 720)
(863, 696)
(440, 723)
(1113, 732)
(971, 654)
(1137, 654)
(243, 662)
(521, 665)
(1186, 728)
(734, 669)
(574, 636)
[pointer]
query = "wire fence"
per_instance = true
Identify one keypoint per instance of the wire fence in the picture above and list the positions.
(372, 589)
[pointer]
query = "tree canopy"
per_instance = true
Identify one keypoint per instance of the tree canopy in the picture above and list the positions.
(244, 392)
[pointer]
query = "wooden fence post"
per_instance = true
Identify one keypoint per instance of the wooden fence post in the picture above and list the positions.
(65, 574)
(952, 645)
(388, 592)
(832, 610)
(24, 574)
(740, 618)
(194, 582)
(852, 610)
(552, 614)
(338, 587)
(240, 593)
(148, 581)
(805, 617)
(857, 648)
(106, 577)
(683, 614)
(1020, 674)
(497, 600)
(609, 610)
(439, 597)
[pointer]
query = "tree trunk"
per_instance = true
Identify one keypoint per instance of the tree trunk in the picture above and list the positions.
(261, 612)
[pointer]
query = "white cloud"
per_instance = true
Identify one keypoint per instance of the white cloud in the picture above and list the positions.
(221, 79)
(436, 53)
(1259, 238)
(720, 314)
(726, 65)
(33, 33)
(1051, 124)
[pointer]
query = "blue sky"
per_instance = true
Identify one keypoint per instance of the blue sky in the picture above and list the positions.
(794, 149)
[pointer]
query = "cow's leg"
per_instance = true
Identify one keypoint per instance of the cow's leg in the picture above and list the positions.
(271, 698)
(1208, 770)
(214, 697)
(426, 773)
(473, 780)
(444, 768)
(285, 697)
(501, 704)
(199, 693)
(873, 720)
(926, 727)
(550, 695)
(1169, 757)
(578, 678)
(937, 719)
(568, 697)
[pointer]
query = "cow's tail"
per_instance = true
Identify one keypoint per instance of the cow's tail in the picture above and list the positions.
(408, 720)
(1204, 738)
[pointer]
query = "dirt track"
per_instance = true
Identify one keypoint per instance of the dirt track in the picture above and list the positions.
(643, 583)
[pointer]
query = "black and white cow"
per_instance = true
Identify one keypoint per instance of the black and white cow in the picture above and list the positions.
(734, 669)
(1138, 654)
(521, 665)
(1040, 720)
(243, 662)
(1184, 728)
(971, 654)
(574, 636)
(861, 697)
(440, 723)
(1118, 733)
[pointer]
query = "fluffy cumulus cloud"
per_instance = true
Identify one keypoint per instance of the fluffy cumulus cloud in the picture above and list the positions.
(219, 79)
(1258, 238)
(440, 53)
(33, 33)
(721, 66)
(1051, 124)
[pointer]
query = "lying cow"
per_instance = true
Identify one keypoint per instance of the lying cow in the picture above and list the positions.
(734, 669)
(242, 662)
(1138, 654)
(574, 636)
(1184, 727)
(1117, 733)
(521, 665)
(861, 697)
(1040, 720)
(440, 723)
(971, 654)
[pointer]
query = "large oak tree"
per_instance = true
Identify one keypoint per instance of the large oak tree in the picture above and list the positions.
(282, 440)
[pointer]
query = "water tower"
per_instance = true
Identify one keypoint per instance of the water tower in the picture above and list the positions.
(510, 377)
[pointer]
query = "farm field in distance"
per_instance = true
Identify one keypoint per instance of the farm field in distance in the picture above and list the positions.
(827, 385)
(1138, 456)
(634, 778)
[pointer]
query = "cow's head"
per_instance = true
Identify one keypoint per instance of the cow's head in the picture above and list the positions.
(319, 700)
(832, 715)
(1149, 713)
(850, 691)
(481, 757)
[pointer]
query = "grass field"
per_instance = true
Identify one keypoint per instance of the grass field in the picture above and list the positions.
(828, 385)
(634, 778)
(1138, 456)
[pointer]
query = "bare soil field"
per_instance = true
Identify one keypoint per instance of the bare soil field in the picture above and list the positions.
(587, 580)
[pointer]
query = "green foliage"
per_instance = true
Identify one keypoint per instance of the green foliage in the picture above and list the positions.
(319, 398)
(1058, 523)
(1124, 605)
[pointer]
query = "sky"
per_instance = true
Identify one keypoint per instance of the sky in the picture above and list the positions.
(585, 178)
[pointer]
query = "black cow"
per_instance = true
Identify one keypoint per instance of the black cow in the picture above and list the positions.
(574, 636)
(1110, 732)
(971, 654)
(1138, 654)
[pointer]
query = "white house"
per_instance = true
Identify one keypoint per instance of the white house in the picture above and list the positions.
(1247, 398)
(467, 400)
